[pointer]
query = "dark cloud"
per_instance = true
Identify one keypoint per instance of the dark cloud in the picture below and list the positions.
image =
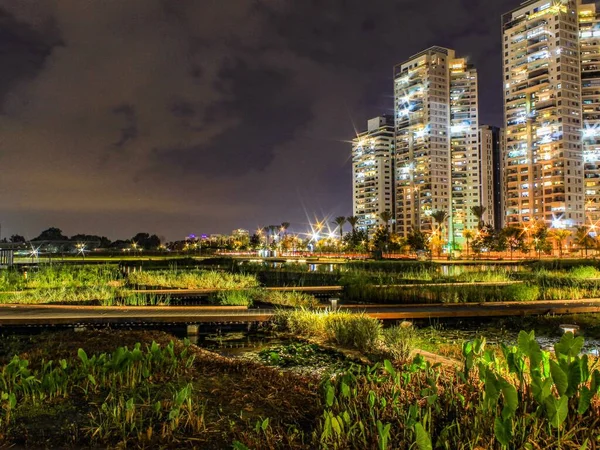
(23, 51)
(129, 131)
(203, 116)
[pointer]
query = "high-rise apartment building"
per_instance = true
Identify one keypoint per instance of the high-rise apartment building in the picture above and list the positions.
(491, 149)
(589, 43)
(465, 160)
(372, 172)
(543, 163)
(437, 156)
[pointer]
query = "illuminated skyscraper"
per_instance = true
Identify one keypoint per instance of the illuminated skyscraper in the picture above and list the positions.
(372, 172)
(437, 160)
(543, 163)
(589, 42)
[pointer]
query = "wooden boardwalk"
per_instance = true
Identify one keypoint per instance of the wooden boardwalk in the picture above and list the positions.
(49, 315)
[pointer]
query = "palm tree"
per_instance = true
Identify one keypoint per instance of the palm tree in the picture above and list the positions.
(439, 216)
(468, 234)
(560, 235)
(284, 227)
(340, 221)
(266, 230)
(352, 220)
(583, 239)
(386, 216)
(479, 211)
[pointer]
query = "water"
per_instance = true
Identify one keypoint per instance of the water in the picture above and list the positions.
(235, 343)
(508, 337)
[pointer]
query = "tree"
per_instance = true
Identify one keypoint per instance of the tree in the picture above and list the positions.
(386, 216)
(356, 240)
(352, 220)
(284, 227)
(440, 217)
(514, 238)
(583, 239)
(540, 240)
(340, 221)
(416, 240)
(559, 235)
(255, 242)
(468, 235)
(146, 241)
(17, 239)
(51, 234)
(479, 211)
(380, 241)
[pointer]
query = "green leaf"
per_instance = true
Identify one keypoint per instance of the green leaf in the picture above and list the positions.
(503, 431)
(574, 375)
(336, 426)
(237, 445)
(511, 400)
(423, 439)
(557, 410)
(585, 445)
(92, 379)
(569, 346)
(585, 398)
(264, 425)
(329, 395)
(560, 378)
(82, 355)
(389, 368)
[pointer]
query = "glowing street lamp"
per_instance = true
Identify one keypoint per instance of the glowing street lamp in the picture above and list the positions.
(81, 249)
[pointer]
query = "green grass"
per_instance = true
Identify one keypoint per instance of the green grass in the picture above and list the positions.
(195, 279)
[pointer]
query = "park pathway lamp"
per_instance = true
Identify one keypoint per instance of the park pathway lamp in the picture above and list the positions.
(81, 250)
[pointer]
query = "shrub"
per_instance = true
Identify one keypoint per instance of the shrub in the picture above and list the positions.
(233, 298)
(521, 292)
(346, 329)
(583, 272)
(400, 341)
(290, 298)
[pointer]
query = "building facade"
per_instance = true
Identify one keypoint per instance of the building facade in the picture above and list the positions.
(491, 149)
(543, 163)
(437, 142)
(589, 44)
(372, 172)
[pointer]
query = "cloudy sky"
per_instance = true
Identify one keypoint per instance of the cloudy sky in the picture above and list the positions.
(200, 116)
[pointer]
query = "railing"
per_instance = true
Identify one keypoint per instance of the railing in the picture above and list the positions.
(6, 257)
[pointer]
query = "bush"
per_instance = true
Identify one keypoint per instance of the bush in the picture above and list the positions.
(400, 341)
(233, 298)
(293, 298)
(521, 292)
(583, 272)
(346, 329)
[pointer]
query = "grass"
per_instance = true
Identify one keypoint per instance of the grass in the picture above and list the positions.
(350, 330)
(288, 298)
(233, 298)
(195, 279)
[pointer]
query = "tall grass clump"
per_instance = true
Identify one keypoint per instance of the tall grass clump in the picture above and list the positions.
(521, 292)
(400, 341)
(290, 298)
(346, 329)
(584, 272)
(60, 295)
(195, 279)
(233, 298)
(64, 276)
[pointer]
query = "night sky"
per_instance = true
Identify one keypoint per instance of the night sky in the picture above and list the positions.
(201, 116)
